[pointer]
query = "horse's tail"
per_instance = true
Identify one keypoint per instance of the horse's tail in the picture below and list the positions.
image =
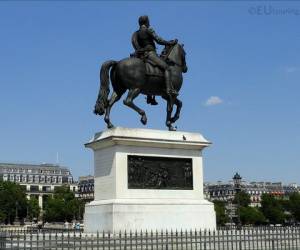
(102, 99)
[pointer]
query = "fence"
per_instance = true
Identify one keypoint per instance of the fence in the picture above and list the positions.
(283, 238)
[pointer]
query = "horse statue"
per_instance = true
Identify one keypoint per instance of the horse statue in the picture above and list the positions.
(140, 77)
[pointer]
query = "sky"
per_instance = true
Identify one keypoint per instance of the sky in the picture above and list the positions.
(242, 90)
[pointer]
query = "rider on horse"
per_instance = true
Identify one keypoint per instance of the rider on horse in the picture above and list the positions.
(143, 41)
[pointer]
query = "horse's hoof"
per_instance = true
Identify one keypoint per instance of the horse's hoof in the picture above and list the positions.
(144, 120)
(110, 125)
(171, 128)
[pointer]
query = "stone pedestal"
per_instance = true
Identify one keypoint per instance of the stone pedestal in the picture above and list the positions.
(148, 180)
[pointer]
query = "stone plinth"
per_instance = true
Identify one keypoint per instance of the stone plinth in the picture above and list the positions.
(164, 201)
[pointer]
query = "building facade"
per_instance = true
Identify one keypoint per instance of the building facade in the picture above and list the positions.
(86, 188)
(38, 180)
(226, 191)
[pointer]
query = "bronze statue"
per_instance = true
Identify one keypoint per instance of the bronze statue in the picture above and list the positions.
(144, 72)
(143, 41)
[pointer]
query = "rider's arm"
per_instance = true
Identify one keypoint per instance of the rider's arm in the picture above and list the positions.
(157, 38)
(134, 41)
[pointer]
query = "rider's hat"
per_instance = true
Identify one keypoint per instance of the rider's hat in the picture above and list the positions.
(143, 20)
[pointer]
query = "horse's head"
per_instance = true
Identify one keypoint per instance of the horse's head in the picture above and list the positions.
(176, 55)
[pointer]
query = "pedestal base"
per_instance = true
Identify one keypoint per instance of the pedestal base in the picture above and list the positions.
(148, 214)
(148, 180)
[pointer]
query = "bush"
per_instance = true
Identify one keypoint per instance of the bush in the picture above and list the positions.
(252, 216)
(221, 215)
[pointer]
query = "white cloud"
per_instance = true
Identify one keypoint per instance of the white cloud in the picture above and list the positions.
(213, 100)
(291, 69)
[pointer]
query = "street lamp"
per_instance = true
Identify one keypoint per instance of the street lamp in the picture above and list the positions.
(237, 179)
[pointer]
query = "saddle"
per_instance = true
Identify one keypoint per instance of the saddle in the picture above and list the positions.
(151, 68)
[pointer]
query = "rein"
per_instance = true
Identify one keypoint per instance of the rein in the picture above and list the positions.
(167, 57)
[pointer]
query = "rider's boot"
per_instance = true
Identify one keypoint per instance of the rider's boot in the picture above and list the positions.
(151, 100)
(169, 88)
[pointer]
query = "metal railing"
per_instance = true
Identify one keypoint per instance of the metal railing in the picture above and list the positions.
(267, 238)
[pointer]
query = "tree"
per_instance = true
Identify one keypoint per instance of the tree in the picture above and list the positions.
(272, 209)
(2, 216)
(294, 206)
(33, 208)
(63, 206)
(251, 215)
(12, 198)
(242, 199)
(54, 210)
(221, 215)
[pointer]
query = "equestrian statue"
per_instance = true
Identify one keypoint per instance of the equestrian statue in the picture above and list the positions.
(145, 72)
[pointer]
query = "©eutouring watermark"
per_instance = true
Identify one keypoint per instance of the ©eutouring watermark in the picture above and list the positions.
(269, 10)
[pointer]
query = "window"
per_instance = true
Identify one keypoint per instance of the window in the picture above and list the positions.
(60, 179)
(46, 188)
(34, 188)
(42, 178)
(24, 178)
(30, 178)
(36, 179)
(48, 179)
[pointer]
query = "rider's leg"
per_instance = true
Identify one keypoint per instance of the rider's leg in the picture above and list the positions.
(169, 87)
(163, 65)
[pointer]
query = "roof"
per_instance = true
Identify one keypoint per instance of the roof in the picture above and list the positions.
(46, 166)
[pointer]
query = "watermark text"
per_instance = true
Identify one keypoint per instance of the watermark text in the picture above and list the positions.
(269, 10)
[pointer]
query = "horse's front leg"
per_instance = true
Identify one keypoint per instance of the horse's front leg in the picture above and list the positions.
(178, 104)
(169, 114)
(132, 94)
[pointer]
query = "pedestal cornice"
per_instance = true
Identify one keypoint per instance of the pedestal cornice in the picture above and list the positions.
(148, 138)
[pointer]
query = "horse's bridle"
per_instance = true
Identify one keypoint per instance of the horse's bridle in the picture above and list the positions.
(168, 53)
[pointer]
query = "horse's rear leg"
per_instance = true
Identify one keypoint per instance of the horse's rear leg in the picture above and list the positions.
(113, 99)
(132, 94)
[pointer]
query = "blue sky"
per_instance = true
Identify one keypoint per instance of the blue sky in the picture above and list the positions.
(241, 92)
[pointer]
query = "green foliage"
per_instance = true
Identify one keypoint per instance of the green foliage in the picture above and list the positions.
(63, 206)
(221, 215)
(33, 208)
(272, 209)
(294, 206)
(2, 216)
(12, 197)
(242, 198)
(252, 216)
